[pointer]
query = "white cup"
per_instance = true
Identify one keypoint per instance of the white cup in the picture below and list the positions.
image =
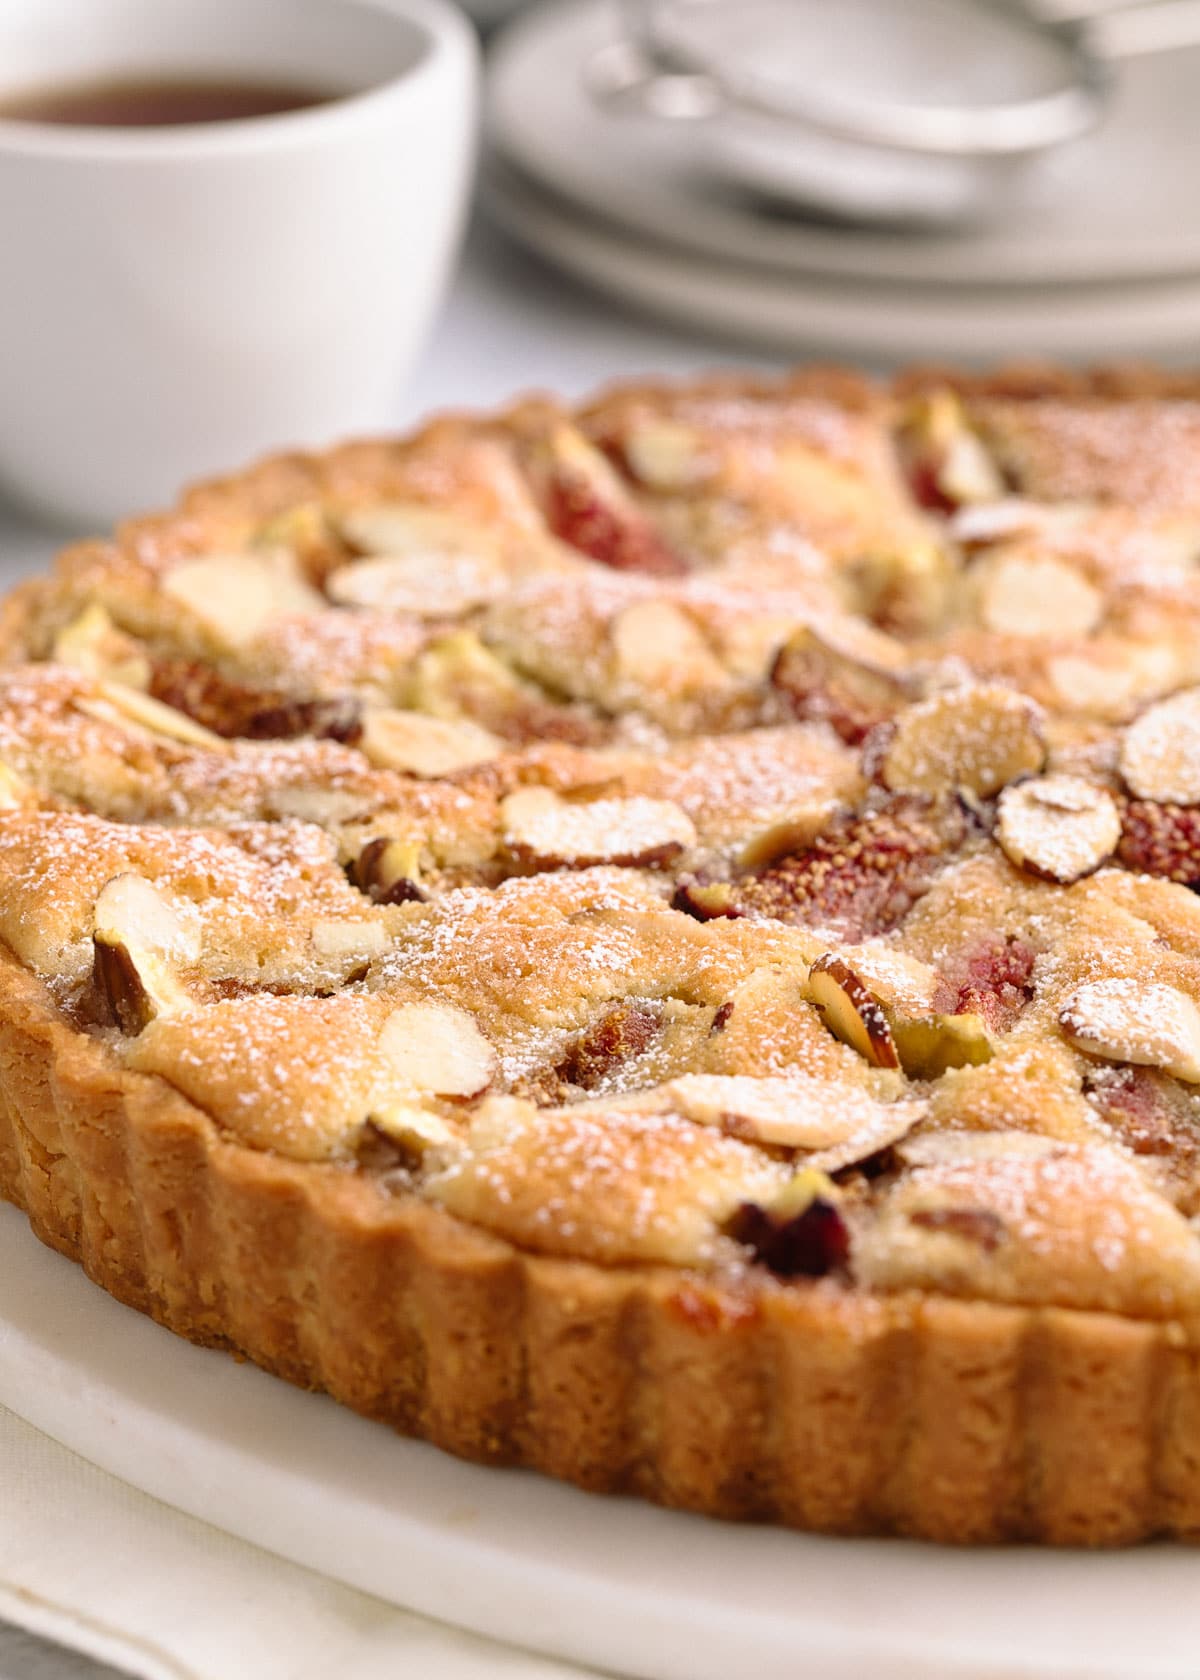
(177, 300)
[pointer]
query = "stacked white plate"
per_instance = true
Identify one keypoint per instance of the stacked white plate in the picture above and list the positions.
(1097, 253)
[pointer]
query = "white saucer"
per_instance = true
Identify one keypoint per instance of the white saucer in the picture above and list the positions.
(1121, 205)
(486, 13)
(607, 1582)
(881, 323)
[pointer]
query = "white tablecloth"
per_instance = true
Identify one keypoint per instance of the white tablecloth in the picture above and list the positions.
(95, 1565)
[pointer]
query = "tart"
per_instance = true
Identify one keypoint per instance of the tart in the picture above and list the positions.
(654, 942)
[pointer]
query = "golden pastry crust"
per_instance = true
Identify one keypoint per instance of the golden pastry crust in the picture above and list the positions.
(652, 943)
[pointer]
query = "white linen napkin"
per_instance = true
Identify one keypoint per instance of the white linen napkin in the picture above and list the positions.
(97, 1566)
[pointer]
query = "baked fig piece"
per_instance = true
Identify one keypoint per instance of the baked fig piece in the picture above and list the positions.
(1161, 840)
(596, 1058)
(991, 979)
(588, 507)
(706, 900)
(802, 1234)
(858, 878)
(622, 1033)
(1153, 1115)
(232, 709)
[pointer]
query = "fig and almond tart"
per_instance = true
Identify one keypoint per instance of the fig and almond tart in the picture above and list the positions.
(654, 942)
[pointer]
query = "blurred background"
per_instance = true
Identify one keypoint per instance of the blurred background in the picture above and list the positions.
(877, 179)
(669, 185)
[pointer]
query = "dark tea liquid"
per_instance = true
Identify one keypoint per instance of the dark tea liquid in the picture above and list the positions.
(159, 101)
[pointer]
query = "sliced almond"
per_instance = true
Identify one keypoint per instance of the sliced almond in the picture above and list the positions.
(327, 807)
(665, 455)
(903, 984)
(138, 937)
(930, 1149)
(705, 900)
(129, 707)
(413, 531)
(132, 909)
(794, 1112)
(551, 832)
(425, 1139)
(851, 1012)
(1160, 752)
(793, 831)
(388, 871)
(339, 939)
(1127, 1020)
(434, 1047)
(979, 524)
(498, 1120)
(422, 745)
(456, 676)
(978, 738)
(657, 646)
(236, 596)
(929, 1046)
(1058, 827)
(135, 987)
(1035, 595)
(445, 587)
(93, 644)
(889, 1125)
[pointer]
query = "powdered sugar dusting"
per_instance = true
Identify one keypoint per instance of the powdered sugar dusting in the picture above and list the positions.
(611, 1077)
